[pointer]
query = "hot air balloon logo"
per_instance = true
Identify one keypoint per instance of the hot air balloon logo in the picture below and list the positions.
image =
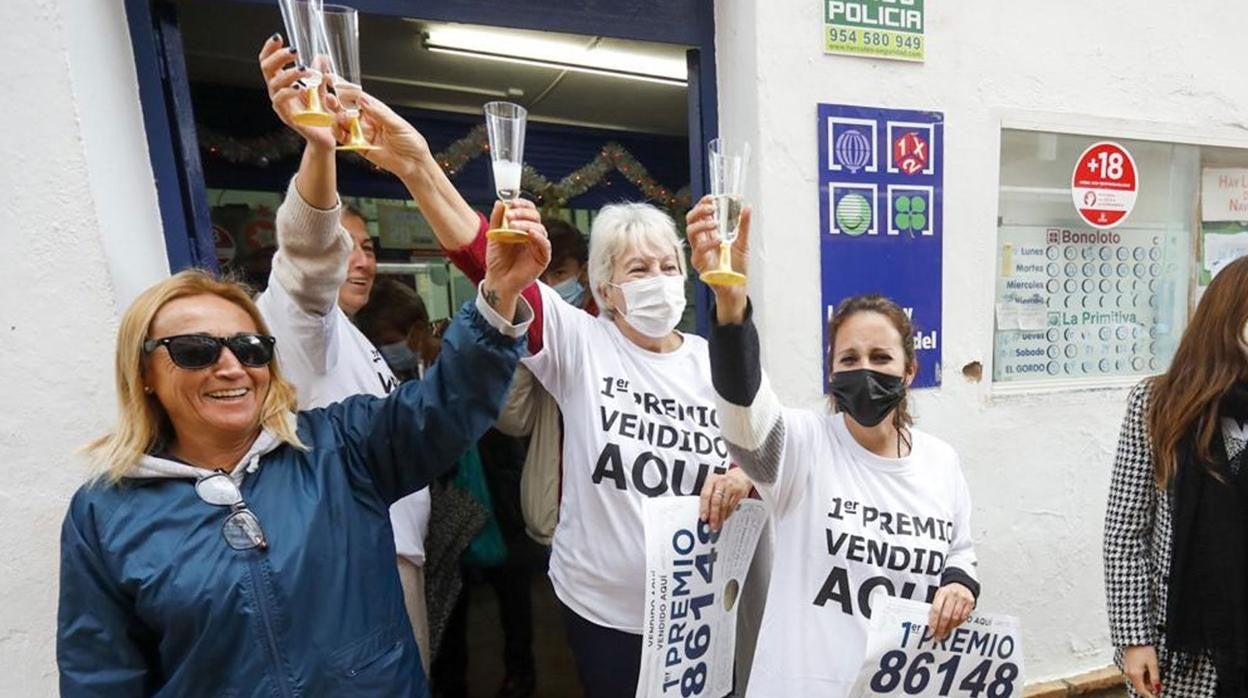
(853, 149)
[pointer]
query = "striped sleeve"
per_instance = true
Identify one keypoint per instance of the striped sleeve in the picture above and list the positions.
(750, 415)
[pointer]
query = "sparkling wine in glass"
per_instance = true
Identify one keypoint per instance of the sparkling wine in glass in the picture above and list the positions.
(727, 167)
(342, 33)
(504, 124)
(305, 30)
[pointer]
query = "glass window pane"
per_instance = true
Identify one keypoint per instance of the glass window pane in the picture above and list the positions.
(1074, 302)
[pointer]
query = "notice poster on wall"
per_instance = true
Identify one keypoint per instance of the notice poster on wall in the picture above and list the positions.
(983, 656)
(1075, 303)
(874, 28)
(881, 216)
(1224, 194)
(693, 582)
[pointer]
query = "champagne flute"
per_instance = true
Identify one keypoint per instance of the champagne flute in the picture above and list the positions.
(727, 172)
(342, 33)
(504, 123)
(306, 31)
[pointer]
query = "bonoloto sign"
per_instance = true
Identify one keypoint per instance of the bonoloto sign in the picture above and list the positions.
(1104, 185)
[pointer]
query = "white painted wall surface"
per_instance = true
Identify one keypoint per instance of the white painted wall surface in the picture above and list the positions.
(1038, 465)
(76, 182)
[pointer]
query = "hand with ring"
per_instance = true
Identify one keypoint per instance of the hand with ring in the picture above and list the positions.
(721, 494)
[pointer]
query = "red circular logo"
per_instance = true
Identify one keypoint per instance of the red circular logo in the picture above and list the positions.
(1104, 185)
(910, 153)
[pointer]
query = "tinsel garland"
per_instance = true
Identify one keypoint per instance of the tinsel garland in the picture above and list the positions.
(264, 150)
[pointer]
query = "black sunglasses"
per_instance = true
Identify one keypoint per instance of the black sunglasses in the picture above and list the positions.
(195, 351)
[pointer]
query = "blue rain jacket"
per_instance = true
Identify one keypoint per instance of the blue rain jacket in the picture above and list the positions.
(154, 602)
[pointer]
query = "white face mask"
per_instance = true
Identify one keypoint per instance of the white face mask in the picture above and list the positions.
(655, 304)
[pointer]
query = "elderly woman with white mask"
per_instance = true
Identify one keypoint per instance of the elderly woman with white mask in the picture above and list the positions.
(639, 422)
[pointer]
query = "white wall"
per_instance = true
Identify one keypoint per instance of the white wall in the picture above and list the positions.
(1038, 465)
(75, 181)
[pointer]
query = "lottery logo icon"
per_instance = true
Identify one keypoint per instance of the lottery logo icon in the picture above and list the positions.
(910, 213)
(910, 153)
(853, 149)
(853, 214)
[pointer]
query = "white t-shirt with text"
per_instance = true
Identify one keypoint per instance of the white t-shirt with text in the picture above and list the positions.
(849, 523)
(637, 424)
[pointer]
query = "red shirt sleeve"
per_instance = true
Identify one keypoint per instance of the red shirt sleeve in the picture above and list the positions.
(470, 259)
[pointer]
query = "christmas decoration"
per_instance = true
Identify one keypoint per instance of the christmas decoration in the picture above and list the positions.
(263, 150)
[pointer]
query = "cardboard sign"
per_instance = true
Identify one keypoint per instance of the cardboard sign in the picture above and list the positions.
(983, 657)
(693, 583)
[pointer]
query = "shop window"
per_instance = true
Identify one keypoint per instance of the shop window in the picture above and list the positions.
(1084, 304)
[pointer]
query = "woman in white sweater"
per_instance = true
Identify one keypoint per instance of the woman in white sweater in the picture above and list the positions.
(860, 501)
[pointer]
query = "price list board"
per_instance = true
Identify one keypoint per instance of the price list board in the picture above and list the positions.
(1079, 303)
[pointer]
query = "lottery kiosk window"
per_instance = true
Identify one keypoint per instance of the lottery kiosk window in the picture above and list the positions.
(1080, 305)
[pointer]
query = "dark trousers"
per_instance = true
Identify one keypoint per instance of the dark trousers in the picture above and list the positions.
(512, 585)
(608, 661)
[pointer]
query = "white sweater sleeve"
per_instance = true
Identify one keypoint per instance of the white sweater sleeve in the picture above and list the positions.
(312, 251)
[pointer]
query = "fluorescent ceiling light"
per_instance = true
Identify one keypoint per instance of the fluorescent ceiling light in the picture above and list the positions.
(556, 52)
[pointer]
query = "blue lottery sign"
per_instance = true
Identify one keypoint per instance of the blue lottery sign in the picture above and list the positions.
(881, 173)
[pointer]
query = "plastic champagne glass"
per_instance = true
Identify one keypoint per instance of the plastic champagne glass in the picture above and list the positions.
(342, 32)
(504, 123)
(306, 32)
(727, 169)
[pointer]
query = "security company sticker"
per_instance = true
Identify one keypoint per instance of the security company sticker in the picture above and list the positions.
(694, 579)
(1104, 185)
(983, 657)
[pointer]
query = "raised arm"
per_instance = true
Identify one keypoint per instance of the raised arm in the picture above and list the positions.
(751, 418)
(312, 248)
(460, 230)
(420, 430)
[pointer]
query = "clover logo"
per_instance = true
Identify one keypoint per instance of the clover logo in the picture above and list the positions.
(910, 213)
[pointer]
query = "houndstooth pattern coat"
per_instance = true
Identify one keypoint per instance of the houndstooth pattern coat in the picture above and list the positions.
(1138, 535)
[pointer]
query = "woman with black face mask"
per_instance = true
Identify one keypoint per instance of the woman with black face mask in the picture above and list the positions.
(861, 502)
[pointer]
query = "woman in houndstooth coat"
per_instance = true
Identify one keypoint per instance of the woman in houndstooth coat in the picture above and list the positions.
(1194, 413)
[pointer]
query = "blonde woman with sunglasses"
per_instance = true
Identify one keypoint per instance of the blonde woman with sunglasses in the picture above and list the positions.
(231, 546)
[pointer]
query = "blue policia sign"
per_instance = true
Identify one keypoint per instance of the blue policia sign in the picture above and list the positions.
(881, 174)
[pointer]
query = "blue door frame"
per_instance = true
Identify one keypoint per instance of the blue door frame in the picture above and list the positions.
(164, 89)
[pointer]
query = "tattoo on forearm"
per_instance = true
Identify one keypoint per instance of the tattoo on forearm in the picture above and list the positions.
(491, 297)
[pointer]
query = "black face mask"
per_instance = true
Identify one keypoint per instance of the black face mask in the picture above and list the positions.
(867, 396)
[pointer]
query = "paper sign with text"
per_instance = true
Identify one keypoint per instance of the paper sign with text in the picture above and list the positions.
(693, 583)
(1224, 194)
(983, 657)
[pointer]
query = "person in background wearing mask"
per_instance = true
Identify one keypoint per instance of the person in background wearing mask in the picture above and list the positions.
(822, 475)
(1176, 525)
(568, 273)
(396, 321)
